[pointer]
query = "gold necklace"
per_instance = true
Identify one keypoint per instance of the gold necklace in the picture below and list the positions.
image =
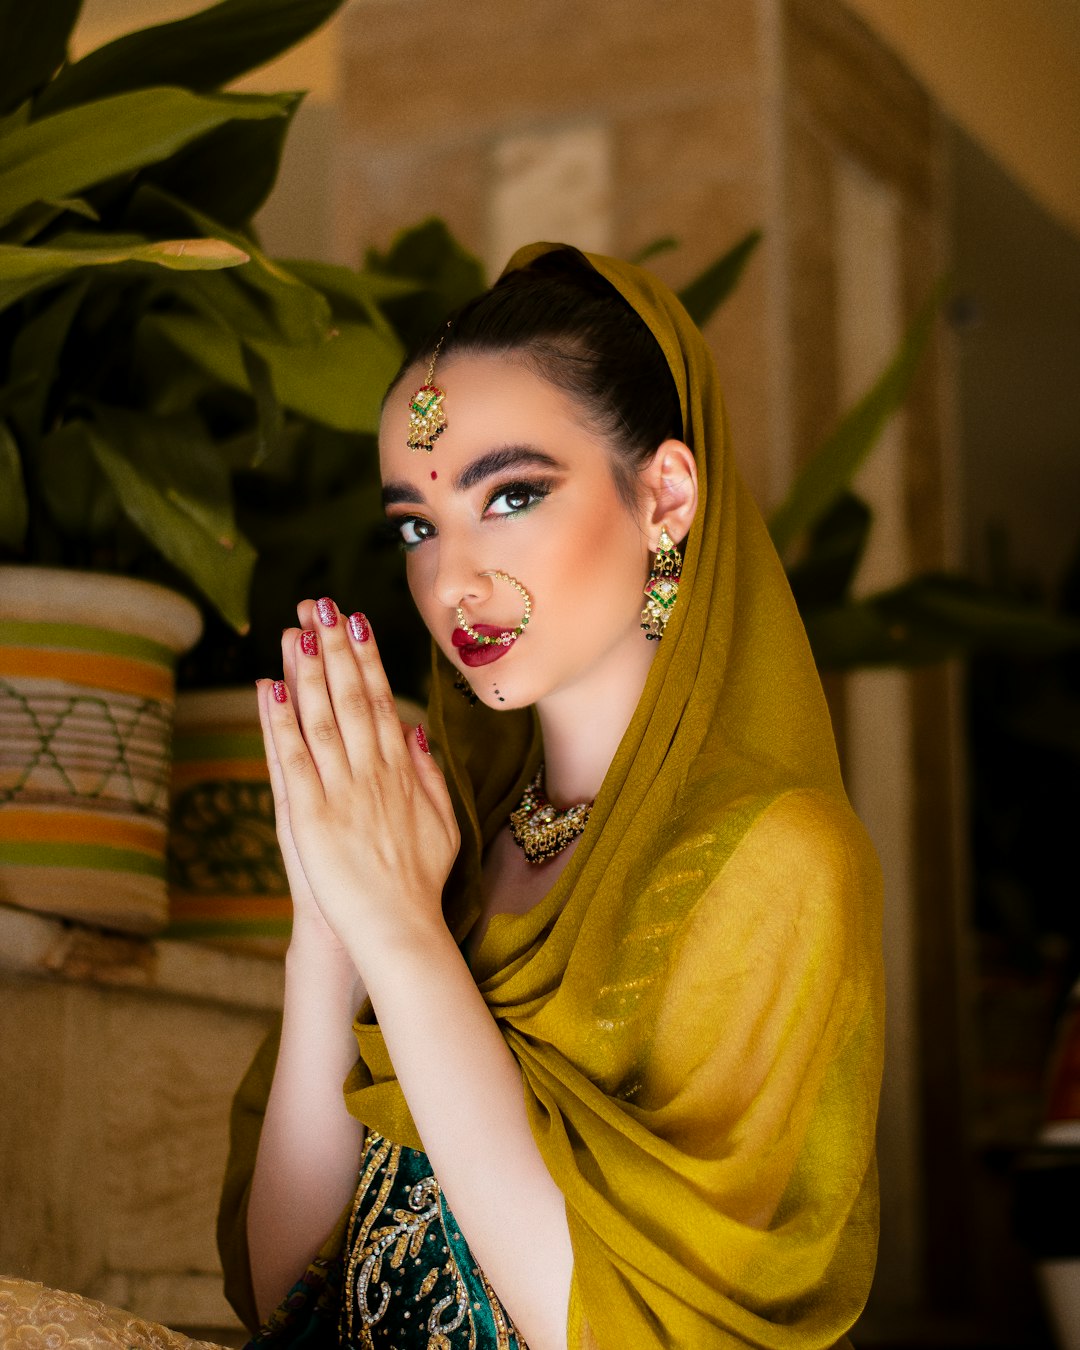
(539, 829)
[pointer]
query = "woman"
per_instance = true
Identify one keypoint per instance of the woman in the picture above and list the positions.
(616, 975)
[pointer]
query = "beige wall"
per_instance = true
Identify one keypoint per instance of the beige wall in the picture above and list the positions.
(1008, 71)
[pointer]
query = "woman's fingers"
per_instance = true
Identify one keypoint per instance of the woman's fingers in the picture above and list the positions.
(305, 649)
(380, 714)
(293, 776)
(432, 780)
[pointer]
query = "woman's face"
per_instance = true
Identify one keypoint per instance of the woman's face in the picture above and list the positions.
(517, 484)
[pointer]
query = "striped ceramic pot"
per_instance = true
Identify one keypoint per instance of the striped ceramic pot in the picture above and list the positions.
(87, 691)
(227, 882)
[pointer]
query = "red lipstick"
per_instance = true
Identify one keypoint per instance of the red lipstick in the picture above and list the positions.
(481, 653)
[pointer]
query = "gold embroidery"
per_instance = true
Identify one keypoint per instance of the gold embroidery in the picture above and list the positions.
(397, 1270)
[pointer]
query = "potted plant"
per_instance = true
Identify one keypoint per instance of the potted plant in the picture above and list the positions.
(149, 354)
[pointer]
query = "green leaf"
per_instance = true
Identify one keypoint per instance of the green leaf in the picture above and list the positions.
(263, 299)
(932, 618)
(200, 52)
(270, 419)
(833, 467)
(34, 44)
(32, 220)
(72, 150)
(340, 383)
(78, 501)
(707, 292)
(655, 249)
(25, 269)
(35, 355)
(353, 295)
(450, 276)
(174, 486)
(824, 573)
(13, 506)
(205, 173)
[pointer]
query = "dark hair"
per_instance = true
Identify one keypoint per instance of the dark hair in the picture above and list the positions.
(569, 325)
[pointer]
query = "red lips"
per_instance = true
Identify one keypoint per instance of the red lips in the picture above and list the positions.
(481, 653)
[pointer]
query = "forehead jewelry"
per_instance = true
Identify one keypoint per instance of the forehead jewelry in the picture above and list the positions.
(504, 639)
(427, 421)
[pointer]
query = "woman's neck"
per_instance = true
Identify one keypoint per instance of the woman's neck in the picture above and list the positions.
(582, 725)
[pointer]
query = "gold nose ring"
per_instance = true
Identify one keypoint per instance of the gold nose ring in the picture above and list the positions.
(504, 639)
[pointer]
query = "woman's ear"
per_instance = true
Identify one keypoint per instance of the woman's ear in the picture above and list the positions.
(671, 493)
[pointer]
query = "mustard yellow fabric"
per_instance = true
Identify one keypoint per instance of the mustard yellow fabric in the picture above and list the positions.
(697, 1004)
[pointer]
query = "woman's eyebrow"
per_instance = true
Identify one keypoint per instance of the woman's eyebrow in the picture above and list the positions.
(496, 461)
(484, 466)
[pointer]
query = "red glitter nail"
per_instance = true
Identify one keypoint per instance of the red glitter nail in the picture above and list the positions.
(281, 694)
(359, 627)
(327, 612)
(421, 738)
(309, 642)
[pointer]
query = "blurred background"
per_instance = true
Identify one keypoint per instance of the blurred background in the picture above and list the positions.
(879, 147)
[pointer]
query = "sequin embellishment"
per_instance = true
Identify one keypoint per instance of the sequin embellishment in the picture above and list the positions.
(410, 1280)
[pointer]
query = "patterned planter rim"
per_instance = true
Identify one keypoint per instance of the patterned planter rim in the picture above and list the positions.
(98, 600)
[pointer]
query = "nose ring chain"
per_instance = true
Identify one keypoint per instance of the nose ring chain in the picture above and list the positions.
(503, 639)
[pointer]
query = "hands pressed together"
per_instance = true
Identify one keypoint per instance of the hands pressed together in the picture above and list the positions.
(364, 819)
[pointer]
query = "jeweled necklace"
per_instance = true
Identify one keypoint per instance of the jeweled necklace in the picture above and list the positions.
(539, 829)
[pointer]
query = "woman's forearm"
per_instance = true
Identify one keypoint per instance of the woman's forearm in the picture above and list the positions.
(309, 1148)
(464, 1091)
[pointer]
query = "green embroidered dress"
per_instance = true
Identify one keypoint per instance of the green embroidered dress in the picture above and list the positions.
(406, 1279)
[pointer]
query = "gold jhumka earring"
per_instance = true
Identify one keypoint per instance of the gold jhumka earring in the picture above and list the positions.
(662, 587)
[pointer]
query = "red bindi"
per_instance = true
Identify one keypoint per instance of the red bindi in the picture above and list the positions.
(434, 474)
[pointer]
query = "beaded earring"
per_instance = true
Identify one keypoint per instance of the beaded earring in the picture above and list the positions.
(662, 587)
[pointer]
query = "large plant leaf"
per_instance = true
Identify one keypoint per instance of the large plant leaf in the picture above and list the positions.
(202, 51)
(340, 383)
(79, 505)
(929, 619)
(174, 486)
(450, 275)
(32, 220)
(261, 300)
(35, 38)
(353, 295)
(13, 506)
(269, 415)
(654, 249)
(204, 173)
(61, 155)
(824, 573)
(35, 355)
(833, 467)
(703, 296)
(23, 270)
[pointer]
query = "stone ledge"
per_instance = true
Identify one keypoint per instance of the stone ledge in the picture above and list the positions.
(46, 948)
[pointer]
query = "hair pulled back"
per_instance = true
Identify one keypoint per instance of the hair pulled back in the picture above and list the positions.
(571, 327)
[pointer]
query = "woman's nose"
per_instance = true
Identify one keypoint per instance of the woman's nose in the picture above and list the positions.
(460, 579)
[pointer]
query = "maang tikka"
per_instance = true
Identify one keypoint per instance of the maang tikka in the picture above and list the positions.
(427, 421)
(662, 587)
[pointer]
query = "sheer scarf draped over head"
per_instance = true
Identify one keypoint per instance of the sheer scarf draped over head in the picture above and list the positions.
(696, 1006)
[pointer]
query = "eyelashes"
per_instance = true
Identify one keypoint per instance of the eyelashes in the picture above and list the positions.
(519, 497)
(534, 491)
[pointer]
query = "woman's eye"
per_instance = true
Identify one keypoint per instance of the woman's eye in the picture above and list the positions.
(414, 530)
(514, 499)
